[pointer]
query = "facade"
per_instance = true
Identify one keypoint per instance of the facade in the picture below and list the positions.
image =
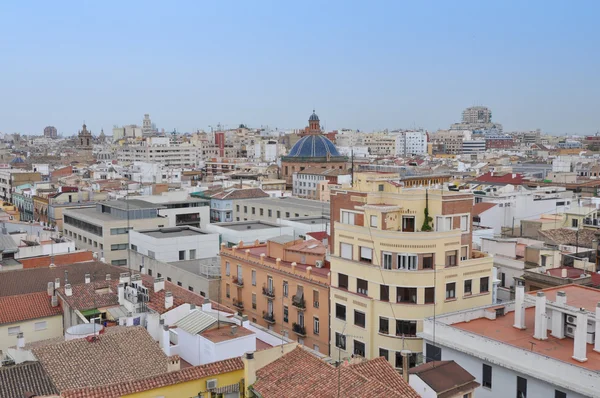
(473, 147)
(248, 231)
(50, 132)
(159, 150)
(498, 141)
(410, 143)
(222, 203)
(12, 178)
(281, 285)
(85, 140)
(274, 209)
(388, 273)
(542, 344)
(313, 149)
(449, 141)
(305, 184)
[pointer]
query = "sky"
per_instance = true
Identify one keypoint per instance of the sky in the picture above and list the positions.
(366, 65)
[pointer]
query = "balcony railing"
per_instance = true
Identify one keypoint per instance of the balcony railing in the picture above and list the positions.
(238, 304)
(299, 302)
(269, 291)
(299, 329)
(269, 317)
(238, 280)
(593, 222)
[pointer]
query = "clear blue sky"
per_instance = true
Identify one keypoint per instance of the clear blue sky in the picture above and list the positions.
(366, 65)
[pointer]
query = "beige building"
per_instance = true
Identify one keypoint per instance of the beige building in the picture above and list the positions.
(104, 228)
(271, 209)
(389, 271)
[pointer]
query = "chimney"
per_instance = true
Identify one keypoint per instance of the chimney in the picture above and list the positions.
(278, 263)
(541, 322)
(249, 371)
(57, 283)
(580, 344)
(121, 290)
(405, 355)
(159, 284)
(20, 341)
(166, 341)
(262, 258)
(247, 251)
(294, 267)
(597, 339)
(519, 307)
(124, 277)
(308, 272)
(206, 305)
(142, 270)
(558, 317)
(192, 307)
(107, 277)
(68, 290)
(168, 300)
(88, 278)
(50, 290)
(563, 273)
(233, 329)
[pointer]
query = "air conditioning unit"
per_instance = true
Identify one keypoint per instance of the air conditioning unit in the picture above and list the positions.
(570, 331)
(319, 264)
(211, 384)
(571, 319)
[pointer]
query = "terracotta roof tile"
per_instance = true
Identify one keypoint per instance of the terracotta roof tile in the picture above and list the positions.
(26, 306)
(235, 193)
(443, 376)
(91, 295)
(30, 377)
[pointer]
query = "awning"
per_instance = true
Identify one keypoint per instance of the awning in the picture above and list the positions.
(90, 312)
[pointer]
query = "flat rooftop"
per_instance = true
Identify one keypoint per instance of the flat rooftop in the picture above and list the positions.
(295, 205)
(501, 329)
(90, 214)
(131, 204)
(248, 225)
(175, 232)
(310, 220)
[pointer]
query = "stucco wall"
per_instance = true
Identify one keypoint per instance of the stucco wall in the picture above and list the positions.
(54, 328)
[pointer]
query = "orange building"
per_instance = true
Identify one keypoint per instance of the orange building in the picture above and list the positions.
(282, 285)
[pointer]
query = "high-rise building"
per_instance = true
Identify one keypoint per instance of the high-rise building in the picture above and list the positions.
(477, 114)
(391, 267)
(147, 125)
(50, 132)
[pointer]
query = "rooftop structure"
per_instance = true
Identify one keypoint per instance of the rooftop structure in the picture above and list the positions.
(30, 377)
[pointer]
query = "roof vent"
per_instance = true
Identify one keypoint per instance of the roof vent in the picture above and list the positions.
(249, 227)
(234, 329)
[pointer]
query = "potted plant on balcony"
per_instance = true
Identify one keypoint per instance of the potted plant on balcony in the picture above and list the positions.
(428, 219)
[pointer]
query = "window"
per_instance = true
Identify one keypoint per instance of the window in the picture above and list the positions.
(254, 278)
(119, 262)
(407, 261)
(384, 325)
(278, 214)
(192, 254)
(443, 224)
(502, 279)
(412, 360)
(14, 330)
(406, 328)
(191, 288)
(118, 231)
(347, 217)
(521, 387)
(380, 187)
(432, 353)
(340, 341)
(384, 293)
(427, 261)
(464, 223)
(359, 319)
(343, 281)
(316, 298)
(287, 214)
(181, 254)
(359, 348)
(486, 379)
(316, 325)
(362, 286)
(261, 211)
(560, 394)
(168, 279)
(120, 246)
(340, 311)
(150, 272)
(575, 223)
(285, 289)
(151, 254)
(450, 291)
(179, 283)
(40, 326)
(387, 261)
(463, 253)
(429, 295)
(227, 294)
(237, 207)
(366, 254)
(484, 285)
(468, 286)
(253, 301)
(384, 353)
(406, 295)
(133, 247)
(346, 251)
(451, 258)
(373, 221)
(286, 313)
(270, 213)
(227, 269)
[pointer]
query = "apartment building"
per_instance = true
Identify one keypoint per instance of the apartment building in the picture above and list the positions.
(450, 141)
(272, 209)
(390, 269)
(11, 178)
(282, 285)
(409, 143)
(305, 183)
(104, 228)
(157, 151)
(380, 144)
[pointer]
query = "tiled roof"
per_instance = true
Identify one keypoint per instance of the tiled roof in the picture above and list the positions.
(130, 354)
(567, 236)
(501, 178)
(92, 295)
(28, 377)
(301, 374)
(234, 193)
(32, 280)
(26, 306)
(443, 376)
(165, 379)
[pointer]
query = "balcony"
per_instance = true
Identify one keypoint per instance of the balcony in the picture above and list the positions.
(592, 222)
(238, 280)
(299, 329)
(269, 317)
(268, 291)
(238, 304)
(299, 302)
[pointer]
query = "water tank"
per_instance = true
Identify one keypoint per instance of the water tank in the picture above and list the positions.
(83, 330)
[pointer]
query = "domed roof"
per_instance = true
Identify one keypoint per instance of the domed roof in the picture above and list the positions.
(314, 146)
(16, 160)
(313, 117)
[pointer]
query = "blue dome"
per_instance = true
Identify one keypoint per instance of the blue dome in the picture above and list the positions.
(313, 117)
(314, 146)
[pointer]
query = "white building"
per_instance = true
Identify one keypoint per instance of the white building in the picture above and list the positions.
(305, 184)
(304, 225)
(175, 244)
(159, 150)
(179, 209)
(248, 231)
(409, 143)
(473, 146)
(541, 345)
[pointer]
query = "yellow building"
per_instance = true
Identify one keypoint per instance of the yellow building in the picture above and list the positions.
(377, 181)
(389, 270)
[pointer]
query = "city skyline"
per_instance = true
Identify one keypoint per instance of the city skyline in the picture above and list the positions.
(366, 67)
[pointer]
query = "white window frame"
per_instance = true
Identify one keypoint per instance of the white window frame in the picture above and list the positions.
(43, 325)
(408, 261)
(454, 291)
(14, 330)
(316, 326)
(464, 223)
(253, 277)
(344, 253)
(227, 268)
(366, 252)
(391, 262)
(441, 223)
(373, 221)
(347, 217)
